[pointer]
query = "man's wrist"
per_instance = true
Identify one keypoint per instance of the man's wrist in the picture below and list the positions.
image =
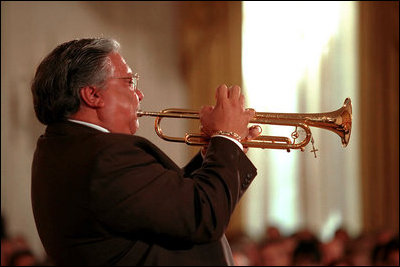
(229, 134)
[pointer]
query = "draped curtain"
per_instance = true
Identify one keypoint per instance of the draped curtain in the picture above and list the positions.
(379, 93)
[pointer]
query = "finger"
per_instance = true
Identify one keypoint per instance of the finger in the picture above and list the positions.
(241, 101)
(205, 109)
(222, 93)
(250, 112)
(234, 92)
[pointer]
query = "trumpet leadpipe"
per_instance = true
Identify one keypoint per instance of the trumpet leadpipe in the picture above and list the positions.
(171, 113)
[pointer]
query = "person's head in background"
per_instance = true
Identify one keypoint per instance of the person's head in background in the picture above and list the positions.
(307, 253)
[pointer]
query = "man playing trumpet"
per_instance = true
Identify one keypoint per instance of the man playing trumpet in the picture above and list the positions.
(102, 195)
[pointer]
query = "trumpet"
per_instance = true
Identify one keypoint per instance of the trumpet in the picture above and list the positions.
(338, 121)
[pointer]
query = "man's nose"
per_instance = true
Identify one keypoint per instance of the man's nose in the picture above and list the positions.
(139, 94)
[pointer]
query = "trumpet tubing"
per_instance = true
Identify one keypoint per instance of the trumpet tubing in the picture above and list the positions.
(338, 121)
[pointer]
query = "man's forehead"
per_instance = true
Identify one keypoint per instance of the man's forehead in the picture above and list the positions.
(119, 65)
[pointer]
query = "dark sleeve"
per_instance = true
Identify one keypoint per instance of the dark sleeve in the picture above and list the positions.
(193, 165)
(131, 192)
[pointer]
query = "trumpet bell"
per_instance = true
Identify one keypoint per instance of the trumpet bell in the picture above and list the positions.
(345, 121)
(339, 121)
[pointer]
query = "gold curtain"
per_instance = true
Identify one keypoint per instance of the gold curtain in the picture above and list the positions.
(210, 39)
(379, 95)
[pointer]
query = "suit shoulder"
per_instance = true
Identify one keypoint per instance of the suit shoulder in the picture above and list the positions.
(121, 141)
(116, 138)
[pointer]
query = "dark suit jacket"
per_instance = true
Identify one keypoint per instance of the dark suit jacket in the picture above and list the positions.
(114, 199)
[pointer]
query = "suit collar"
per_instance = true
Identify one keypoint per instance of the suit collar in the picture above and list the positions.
(69, 128)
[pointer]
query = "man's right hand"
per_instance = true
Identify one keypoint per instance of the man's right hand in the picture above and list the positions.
(228, 115)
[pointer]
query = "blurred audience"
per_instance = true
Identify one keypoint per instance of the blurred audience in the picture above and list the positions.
(245, 251)
(15, 250)
(304, 248)
(307, 253)
(273, 233)
(274, 252)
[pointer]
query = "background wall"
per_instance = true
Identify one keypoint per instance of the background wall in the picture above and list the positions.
(29, 31)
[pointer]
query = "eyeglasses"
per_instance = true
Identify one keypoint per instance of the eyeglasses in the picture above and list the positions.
(133, 81)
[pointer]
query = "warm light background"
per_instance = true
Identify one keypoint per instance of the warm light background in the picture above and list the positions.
(183, 51)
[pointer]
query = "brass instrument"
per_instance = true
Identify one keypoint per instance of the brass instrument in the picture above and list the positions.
(338, 121)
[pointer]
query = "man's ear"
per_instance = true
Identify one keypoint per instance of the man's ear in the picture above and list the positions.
(92, 97)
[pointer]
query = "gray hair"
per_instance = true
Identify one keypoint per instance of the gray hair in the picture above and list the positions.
(68, 68)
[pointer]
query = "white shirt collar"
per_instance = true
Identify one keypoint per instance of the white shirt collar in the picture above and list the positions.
(97, 127)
